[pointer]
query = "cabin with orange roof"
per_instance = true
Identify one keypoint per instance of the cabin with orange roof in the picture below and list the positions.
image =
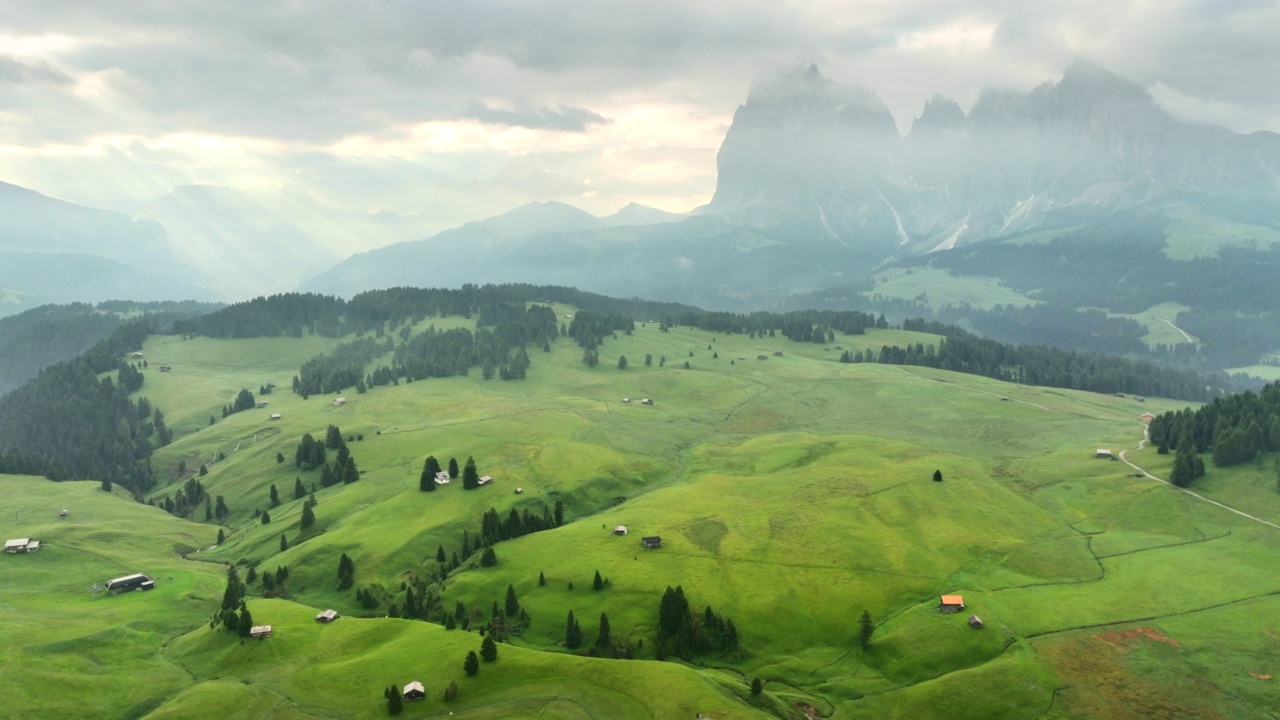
(951, 603)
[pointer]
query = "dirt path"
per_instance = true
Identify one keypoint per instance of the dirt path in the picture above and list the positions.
(1146, 435)
(1175, 327)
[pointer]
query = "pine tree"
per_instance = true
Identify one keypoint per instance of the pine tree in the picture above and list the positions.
(308, 516)
(275, 496)
(244, 625)
(512, 605)
(542, 579)
(222, 536)
(470, 476)
(489, 558)
(451, 692)
(427, 481)
(395, 703)
(572, 632)
(937, 476)
(604, 639)
(865, 630)
(453, 467)
(440, 556)
(266, 517)
(598, 582)
(299, 492)
(471, 665)
(346, 572)
(622, 362)
(488, 648)
(284, 543)
(756, 686)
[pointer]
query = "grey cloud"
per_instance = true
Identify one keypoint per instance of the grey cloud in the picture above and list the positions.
(19, 73)
(566, 118)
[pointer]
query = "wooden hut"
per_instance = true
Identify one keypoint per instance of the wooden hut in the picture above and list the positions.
(262, 632)
(327, 616)
(975, 622)
(951, 603)
(651, 542)
(414, 691)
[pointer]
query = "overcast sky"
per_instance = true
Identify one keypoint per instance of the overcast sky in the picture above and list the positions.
(464, 109)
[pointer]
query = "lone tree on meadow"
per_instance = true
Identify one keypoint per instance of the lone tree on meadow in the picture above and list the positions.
(471, 665)
(346, 572)
(489, 648)
(512, 604)
(299, 492)
(622, 362)
(605, 639)
(937, 476)
(453, 467)
(488, 558)
(598, 582)
(308, 516)
(866, 628)
(274, 496)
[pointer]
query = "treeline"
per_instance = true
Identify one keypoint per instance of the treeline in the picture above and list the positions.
(338, 370)
(79, 427)
(1233, 430)
(39, 337)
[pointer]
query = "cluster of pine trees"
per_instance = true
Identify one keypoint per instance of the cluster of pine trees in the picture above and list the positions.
(684, 634)
(340, 369)
(76, 427)
(311, 454)
(1051, 367)
(244, 401)
(1234, 430)
(495, 529)
(233, 615)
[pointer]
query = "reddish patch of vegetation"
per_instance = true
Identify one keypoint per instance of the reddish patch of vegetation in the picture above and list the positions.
(1124, 638)
(1260, 676)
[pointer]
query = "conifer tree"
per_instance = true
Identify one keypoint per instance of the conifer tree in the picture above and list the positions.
(308, 516)
(604, 639)
(512, 604)
(470, 476)
(866, 628)
(284, 543)
(488, 648)
(275, 496)
(598, 582)
(395, 703)
(453, 467)
(572, 632)
(440, 556)
(471, 665)
(489, 558)
(222, 536)
(299, 492)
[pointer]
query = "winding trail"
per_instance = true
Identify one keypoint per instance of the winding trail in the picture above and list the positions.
(1175, 327)
(1146, 436)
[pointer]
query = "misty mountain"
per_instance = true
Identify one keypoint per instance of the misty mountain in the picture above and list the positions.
(817, 188)
(30, 279)
(35, 223)
(254, 243)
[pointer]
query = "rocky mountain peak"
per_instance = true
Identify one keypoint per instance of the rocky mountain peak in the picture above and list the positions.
(940, 114)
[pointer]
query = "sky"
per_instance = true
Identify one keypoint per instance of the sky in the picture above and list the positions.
(455, 111)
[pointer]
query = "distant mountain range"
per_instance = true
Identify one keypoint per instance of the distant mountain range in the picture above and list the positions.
(817, 192)
(817, 188)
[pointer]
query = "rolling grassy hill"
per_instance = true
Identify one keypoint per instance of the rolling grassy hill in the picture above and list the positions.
(791, 493)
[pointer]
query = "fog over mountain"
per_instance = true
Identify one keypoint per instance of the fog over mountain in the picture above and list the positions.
(817, 187)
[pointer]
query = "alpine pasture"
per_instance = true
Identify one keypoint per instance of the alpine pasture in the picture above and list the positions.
(791, 493)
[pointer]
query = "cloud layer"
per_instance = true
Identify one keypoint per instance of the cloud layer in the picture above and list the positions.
(465, 109)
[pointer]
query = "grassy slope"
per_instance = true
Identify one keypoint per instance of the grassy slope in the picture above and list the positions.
(57, 635)
(942, 288)
(791, 494)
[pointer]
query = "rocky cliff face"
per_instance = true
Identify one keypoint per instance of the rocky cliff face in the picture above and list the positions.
(824, 163)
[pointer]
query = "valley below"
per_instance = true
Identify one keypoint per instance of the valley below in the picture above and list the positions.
(791, 493)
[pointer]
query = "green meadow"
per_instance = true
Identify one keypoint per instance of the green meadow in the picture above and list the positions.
(791, 494)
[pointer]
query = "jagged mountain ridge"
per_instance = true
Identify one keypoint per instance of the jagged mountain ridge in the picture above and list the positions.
(817, 188)
(1081, 148)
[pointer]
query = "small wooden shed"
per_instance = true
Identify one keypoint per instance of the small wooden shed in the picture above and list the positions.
(651, 542)
(414, 691)
(951, 603)
(327, 616)
(261, 632)
(975, 622)
(620, 530)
